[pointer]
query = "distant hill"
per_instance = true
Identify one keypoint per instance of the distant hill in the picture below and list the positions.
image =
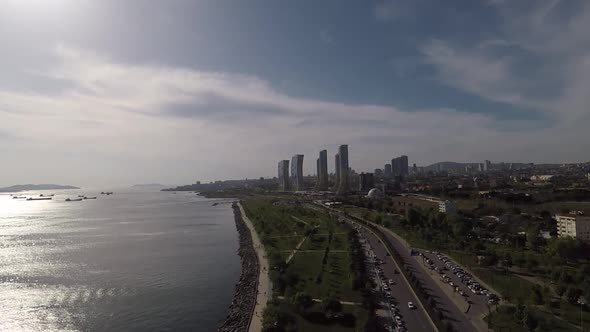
(149, 185)
(23, 187)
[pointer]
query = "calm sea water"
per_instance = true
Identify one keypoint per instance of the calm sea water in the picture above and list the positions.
(134, 261)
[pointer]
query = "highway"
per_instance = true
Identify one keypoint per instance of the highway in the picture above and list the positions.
(413, 319)
(479, 303)
(454, 314)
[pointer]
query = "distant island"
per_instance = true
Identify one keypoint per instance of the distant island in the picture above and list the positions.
(148, 185)
(23, 187)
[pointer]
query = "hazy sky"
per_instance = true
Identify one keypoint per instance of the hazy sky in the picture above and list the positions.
(122, 92)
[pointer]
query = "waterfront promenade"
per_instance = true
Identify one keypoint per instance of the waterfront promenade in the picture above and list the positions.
(264, 289)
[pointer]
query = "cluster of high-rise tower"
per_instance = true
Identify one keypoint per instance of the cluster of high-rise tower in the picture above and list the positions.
(294, 181)
(398, 167)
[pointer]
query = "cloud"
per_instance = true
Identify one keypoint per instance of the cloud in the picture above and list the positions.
(538, 61)
(115, 122)
(479, 72)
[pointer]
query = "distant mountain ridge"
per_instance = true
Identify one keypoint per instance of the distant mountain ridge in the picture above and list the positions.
(23, 187)
(144, 185)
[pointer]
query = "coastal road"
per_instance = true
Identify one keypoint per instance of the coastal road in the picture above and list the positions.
(414, 319)
(479, 303)
(452, 312)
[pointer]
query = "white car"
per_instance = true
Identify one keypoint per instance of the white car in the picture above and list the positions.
(411, 305)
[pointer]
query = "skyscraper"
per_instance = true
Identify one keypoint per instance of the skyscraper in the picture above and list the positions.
(396, 167)
(366, 182)
(404, 165)
(487, 166)
(284, 181)
(297, 172)
(343, 187)
(323, 170)
(337, 170)
(317, 172)
(387, 171)
(378, 173)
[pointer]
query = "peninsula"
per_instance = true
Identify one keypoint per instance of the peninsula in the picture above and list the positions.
(23, 187)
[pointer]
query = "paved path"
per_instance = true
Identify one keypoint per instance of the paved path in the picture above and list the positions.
(320, 300)
(319, 251)
(296, 249)
(264, 289)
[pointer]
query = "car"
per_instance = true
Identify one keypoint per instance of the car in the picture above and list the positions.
(462, 293)
(391, 282)
(411, 305)
(398, 319)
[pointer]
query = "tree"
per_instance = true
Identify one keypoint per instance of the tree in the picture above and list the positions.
(507, 262)
(537, 295)
(414, 217)
(573, 294)
(531, 263)
(331, 305)
(303, 301)
(379, 219)
(560, 290)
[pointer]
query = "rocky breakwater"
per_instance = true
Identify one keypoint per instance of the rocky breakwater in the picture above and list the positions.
(244, 301)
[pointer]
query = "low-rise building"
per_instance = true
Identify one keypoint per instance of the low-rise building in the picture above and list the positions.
(574, 226)
(446, 206)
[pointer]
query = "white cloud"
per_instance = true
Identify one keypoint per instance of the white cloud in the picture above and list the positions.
(479, 72)
(114, 122)
(539, 62)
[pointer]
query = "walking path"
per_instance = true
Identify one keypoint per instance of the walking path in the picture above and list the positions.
(320, 300)
(319, 251)
(296, 249)
(264, 289)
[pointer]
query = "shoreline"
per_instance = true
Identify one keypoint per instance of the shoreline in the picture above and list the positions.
(240, 312)
(264, 288)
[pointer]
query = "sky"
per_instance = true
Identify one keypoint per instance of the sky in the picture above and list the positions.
(110, 92)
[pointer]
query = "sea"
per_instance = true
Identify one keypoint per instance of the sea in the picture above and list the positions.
(137, 260)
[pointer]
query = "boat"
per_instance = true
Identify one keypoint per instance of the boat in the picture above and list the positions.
(19, 197)
(93, 197)
(46, 195)
(73, 199)
(82, 196)
(39, 198)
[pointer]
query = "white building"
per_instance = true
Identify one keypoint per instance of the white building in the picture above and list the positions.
(575, 226)
(446, 206)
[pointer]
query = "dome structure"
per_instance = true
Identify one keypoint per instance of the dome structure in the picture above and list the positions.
(375, 193)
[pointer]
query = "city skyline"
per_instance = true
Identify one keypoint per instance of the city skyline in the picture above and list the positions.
(215, 90)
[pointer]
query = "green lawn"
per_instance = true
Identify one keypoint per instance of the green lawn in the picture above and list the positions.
(313, 321)
(503, 320)
(556, 207)
(570, 313)
(306, 271)
(512, 288)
